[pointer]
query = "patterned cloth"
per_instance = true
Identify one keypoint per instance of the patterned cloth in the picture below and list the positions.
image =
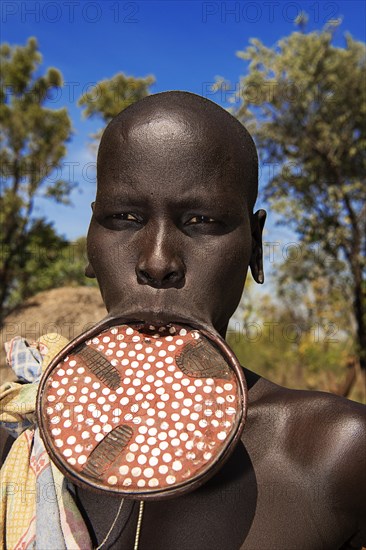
(38, 510)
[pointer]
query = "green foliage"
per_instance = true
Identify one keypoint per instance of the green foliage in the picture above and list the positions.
(304, 100)
(47, 261)
(33, 141)
(32, 136)
(302, 341)
(111, 96)
(68, 268)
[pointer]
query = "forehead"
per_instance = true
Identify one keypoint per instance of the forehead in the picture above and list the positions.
(169, 153)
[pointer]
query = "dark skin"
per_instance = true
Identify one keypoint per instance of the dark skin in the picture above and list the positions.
(172, 236)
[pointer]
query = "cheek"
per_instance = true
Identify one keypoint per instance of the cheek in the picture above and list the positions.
(225, 273)
(110, 260)
(98, 248)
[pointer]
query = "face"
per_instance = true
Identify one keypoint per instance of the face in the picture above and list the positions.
(171, 234)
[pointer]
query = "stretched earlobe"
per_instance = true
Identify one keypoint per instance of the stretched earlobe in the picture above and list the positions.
(89, 272)
(256, 261)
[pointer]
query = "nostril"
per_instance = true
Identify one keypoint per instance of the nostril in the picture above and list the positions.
(145, 275)
(172, 276)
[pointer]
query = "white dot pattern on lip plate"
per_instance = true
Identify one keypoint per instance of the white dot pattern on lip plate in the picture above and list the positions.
(180, 423)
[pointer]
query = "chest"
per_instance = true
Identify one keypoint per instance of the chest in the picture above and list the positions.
(245, 506)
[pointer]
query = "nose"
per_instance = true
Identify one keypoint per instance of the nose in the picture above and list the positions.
(160, 264)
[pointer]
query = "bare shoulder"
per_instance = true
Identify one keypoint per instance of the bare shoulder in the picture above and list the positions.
(319, 434)
(314, 413)
(325, 422)
(316, 424)
(329, 430)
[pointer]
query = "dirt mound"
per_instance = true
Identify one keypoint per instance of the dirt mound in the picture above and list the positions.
(67, 311)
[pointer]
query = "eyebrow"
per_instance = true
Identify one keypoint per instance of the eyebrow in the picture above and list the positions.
(193, 204)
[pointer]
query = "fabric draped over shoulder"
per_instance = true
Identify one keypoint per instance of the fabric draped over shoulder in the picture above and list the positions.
(38, 510)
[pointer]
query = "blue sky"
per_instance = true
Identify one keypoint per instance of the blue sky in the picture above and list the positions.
(184, 44)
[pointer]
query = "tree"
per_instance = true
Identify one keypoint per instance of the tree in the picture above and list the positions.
(33, 139)
(48, 261)
(302, 338)
(304, 100)
(110, 96)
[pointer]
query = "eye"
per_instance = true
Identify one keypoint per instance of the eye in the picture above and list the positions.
(200, 219)
(126, 216)
(122, 221)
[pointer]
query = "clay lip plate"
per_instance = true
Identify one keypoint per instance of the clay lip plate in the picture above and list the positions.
(142, 410)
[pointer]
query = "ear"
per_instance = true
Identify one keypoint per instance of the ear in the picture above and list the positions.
(256, 260)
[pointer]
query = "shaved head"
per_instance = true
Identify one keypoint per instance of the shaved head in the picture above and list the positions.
(182, 122)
